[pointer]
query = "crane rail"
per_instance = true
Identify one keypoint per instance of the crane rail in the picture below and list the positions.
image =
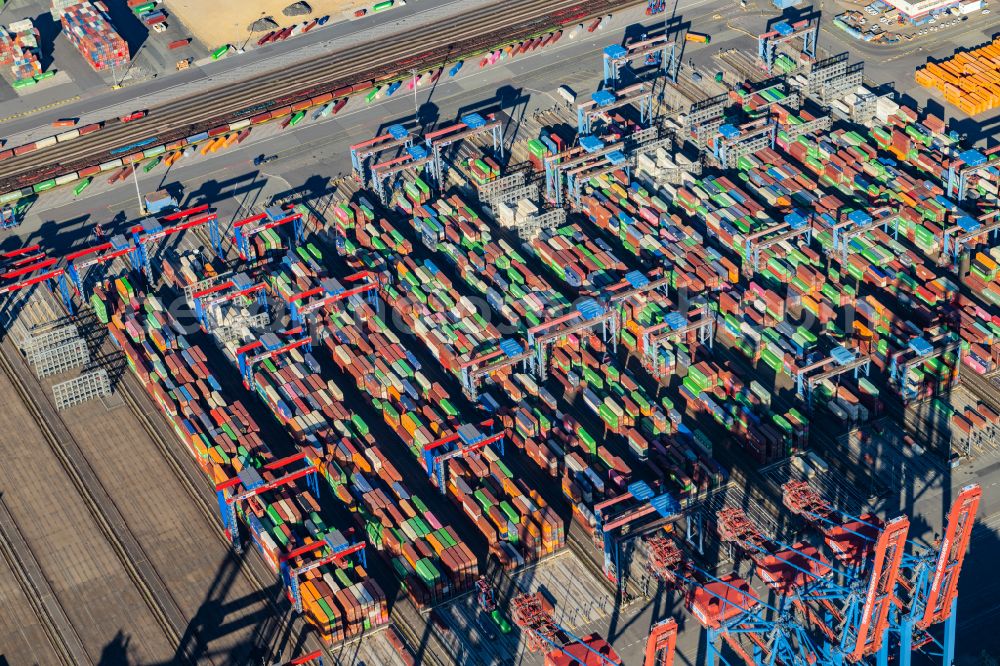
(43, 600)
(107, 516)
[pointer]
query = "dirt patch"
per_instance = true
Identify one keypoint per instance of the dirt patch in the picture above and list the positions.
(225, 21)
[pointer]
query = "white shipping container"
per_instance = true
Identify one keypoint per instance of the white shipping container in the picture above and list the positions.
(564, 91)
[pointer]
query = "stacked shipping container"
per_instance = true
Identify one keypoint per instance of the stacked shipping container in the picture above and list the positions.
(339, 599)
(89, 29)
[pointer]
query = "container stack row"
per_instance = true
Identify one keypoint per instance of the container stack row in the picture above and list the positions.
(89, 29)
(221, 434)
(422, 550)
(19, 50)
(969, 80)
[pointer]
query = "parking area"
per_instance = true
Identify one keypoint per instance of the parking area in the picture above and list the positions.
(880, 23)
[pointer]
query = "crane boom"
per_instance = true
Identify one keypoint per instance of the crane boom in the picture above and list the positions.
(880, 596)
(954, 546)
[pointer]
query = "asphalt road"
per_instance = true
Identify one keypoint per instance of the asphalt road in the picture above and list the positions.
(311, 155)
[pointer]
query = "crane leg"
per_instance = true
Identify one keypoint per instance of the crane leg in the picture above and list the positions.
(949, 634)
(906, 641)
(882, 656)
(710, 654)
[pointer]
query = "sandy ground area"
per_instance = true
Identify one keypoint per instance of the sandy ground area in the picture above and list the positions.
(219, 22)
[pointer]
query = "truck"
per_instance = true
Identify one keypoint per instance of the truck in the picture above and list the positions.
(159, 201)
(567, 93)
(697, 37)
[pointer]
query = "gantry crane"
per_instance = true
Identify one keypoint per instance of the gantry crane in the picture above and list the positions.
(329, 552)
(841, 361)
(728, 609)
(151, 230)
(931, 581)
(272, 346)
(468, 126)
(967, 164)
(395, 137)
(782, 32)
(616, 56)
(529, 612)
(918, 351)
(413, 159)
(77, 263)
(467, 439)
(967, 228)
(603, 102)
(330, 291)
(591, 153)
(253, 484)
(239, 286)
(587, 315)
(509, 352)
(245, 229)
(638, 502)
(857, 607)
(788, 570)
(795, 224)
(700, 320)
(30, 268)
(661, 643)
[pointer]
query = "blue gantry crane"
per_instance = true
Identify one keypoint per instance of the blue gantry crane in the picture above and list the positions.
(467, 439)
(79, 262)
(269, 346)
(273, 217)
(854, 606)
(638, 502)
(330, 291)
(249, 482)
(330, 551)
(240, 286)
(151, 230)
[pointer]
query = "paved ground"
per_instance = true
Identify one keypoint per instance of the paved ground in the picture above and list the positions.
(228, 181)
(90, 98)
(100, 600)
(22, 634)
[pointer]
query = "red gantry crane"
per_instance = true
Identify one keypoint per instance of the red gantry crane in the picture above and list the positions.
(330, 291)
(856, 608)
(787, 570)
(931, 582)
(759, 632)
(534, 617)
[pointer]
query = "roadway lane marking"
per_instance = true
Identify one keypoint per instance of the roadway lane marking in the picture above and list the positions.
(40, 108)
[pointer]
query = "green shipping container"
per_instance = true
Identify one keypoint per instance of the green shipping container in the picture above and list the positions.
(219, 52)
(81, 186)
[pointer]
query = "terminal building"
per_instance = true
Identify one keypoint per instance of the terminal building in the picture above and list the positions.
(923, 10)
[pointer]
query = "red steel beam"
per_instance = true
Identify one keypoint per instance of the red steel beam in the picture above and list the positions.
(880, 596)
(954, 546)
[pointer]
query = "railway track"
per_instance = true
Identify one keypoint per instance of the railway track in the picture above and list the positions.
(59, 630)
(107, 517)
(425, 47)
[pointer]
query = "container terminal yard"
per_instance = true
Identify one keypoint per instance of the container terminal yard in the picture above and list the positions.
(576, 332)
